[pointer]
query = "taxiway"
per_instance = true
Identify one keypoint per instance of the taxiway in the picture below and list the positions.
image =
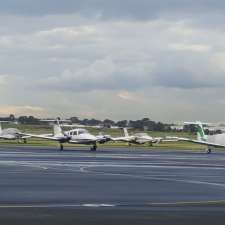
(110, 186)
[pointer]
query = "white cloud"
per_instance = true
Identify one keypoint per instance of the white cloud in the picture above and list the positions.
(22, 110)
(4, 79)
(190, 47)
(127, 96)
(103, 68)
(67, 32)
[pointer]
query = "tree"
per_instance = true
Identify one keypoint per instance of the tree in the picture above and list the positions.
(122, 123)
(12, 117)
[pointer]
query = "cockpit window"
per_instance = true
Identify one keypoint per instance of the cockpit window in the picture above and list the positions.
(141, 134)
(82, 132)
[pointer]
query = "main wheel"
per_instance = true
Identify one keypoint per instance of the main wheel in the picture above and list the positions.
(61, 147)
(94, 148)
(209, 151)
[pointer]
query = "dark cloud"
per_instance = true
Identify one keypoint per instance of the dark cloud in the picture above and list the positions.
(116, 9)
(183, 78)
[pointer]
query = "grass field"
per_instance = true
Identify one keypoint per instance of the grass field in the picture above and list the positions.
(43, 129)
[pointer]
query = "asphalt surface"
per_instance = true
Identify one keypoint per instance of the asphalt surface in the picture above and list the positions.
(111, 186)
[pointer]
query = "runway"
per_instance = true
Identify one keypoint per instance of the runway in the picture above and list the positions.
(117, 186)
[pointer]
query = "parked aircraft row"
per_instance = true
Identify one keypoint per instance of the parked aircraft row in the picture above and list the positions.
(82, 136)
(77, 136)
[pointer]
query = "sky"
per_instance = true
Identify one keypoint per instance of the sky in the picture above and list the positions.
(113, 59)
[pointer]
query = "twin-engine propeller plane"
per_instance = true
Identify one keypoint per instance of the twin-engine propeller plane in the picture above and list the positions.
(101, 138)
(137, 138)
(11, 133)
(74, 136)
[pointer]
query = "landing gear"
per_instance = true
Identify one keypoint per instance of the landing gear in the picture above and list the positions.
(150, 144)
(61, 147)
(209, 151)
(25, 141)
(94, 148)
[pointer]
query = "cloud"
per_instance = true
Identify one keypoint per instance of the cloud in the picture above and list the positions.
(104, 74)
(22, 110)
(114, 59)
(127, 96)
(142, 9)
(3, 79)
(108, 56)
(190, 47)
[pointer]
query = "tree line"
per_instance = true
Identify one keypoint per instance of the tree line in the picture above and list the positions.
(142, 124)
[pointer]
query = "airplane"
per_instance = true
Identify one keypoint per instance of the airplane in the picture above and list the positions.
(82, 136)
(216, 140)
(11, 133)
(74, 136)
(102, 138)
(137, 138)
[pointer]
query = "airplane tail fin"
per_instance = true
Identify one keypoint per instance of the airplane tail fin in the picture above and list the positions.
(57, 130)
(126, 134)
(201, 136)
(1, 125)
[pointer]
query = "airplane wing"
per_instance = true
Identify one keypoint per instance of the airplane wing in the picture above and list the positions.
(25, 136)
(125, 139)
(81, 126)
(13, 137)
(82, 142)
(5, 137)
(201, 142)
(170, 139)
(45, 136)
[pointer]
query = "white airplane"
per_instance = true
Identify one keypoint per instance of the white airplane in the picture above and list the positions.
(82, 136)
(216, 140)
(74, 136)
(137, 138)
(11, 133)
(102, 138)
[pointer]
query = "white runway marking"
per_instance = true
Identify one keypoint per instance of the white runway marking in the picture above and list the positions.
(155, 178)
(91, 205)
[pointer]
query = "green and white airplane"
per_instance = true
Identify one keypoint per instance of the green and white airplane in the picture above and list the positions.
(216, 140)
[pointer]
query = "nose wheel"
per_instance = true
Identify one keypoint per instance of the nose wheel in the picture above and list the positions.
(61, 147)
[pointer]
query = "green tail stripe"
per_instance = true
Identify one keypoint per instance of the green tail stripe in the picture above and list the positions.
(201, 131)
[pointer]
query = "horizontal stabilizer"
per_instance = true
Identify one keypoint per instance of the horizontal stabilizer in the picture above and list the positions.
(196, 123)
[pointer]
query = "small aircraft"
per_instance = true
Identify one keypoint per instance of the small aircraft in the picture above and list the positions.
(137, 138)
(216, 140)
(82, 136)
(74, 136)
(11, 133)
